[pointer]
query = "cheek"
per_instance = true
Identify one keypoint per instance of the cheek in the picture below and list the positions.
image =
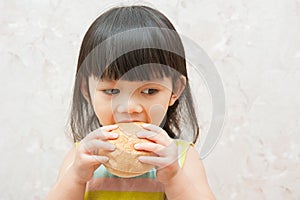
(103, 111)
(158, 108)
(104, 115)
(156, 113)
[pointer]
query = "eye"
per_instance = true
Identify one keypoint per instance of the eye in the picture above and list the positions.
(111, 91)
(150, 91)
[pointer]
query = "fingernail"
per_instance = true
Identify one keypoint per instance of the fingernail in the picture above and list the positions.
(105, 159)
(145, 125)
(114, 135)
(137, 146)
(141, 158)
(111, 147)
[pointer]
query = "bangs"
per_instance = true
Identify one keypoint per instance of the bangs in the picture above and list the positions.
(140, 65)
(135, 55)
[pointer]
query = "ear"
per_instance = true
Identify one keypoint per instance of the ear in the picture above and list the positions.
(84, 88)
(179, 87)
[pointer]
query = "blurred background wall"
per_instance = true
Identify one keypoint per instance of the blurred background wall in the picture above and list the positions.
(255, 46)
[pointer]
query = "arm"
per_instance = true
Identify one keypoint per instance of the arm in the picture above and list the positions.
(185, 183)
(80, 163)
(190, 182)
(66, 186)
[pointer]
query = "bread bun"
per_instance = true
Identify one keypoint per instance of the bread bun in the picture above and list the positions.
(123, 161)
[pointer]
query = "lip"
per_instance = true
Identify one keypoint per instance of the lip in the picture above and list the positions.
(129, 121)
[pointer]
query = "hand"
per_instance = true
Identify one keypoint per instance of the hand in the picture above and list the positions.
(165, 149)
(86, 157)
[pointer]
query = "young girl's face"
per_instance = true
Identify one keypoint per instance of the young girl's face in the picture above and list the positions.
(128, 101)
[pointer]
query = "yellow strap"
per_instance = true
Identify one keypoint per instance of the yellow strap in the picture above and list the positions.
(76, 144)
(183, 147)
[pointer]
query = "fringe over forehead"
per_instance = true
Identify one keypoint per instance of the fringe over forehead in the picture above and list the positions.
(123, 40)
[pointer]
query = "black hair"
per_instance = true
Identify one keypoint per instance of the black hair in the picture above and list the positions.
(120, 40)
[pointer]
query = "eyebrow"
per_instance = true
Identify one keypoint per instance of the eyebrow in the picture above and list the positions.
(159, 82)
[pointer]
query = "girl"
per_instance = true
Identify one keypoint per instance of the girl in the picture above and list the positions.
(131, 67)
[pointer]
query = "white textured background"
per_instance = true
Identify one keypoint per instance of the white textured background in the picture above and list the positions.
(255, 45)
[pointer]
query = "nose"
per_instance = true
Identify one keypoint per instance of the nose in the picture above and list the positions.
(130, 107)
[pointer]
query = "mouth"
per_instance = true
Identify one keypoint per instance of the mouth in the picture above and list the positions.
(129, 121)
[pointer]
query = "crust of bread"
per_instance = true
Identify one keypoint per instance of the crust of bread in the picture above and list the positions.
(123, 161)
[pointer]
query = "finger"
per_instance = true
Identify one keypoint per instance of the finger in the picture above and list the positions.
(94, 145)
(110, 127)
(151, 147)
(159, 162)
(101, 135)
(154, 128)
(96, 159)
(162, 139)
